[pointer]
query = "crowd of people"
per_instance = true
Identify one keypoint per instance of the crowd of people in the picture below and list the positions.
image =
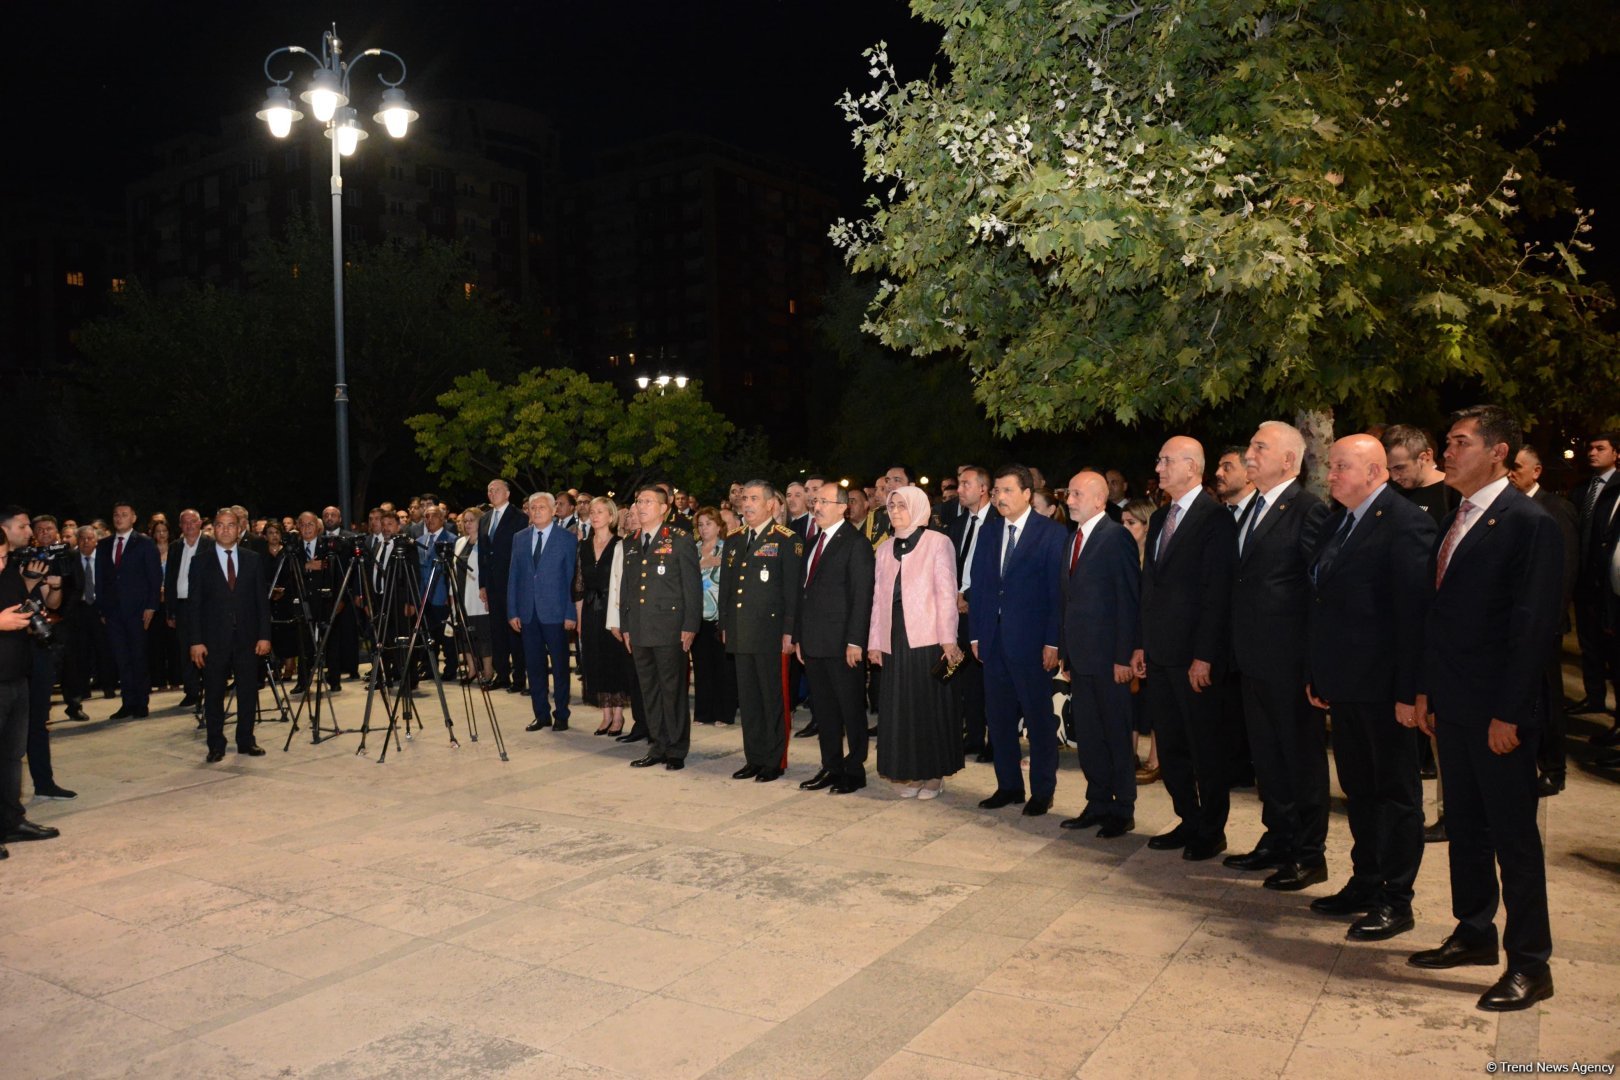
(1228, 616)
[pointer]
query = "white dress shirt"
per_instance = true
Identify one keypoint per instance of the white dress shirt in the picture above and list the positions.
(977, 526)
(182, 581)
(1185, 502)
(1007, 533)
(1482, 500)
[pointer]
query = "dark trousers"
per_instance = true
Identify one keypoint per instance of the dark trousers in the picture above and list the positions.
(162, 652)
(839, 692)
(1015, 687)
(506, 651)
(127, 639)
(661, 674)
(714, 678)
(1491, 820)
(435, 644)
(1553, 723)
(217, 670)
(1234, 735)
(1377, 762)
(343, 651)
(545, 649)
(13, 741)
(766, 716)
(1106, 740)
(40, 682)
(1596, 651)
(190, 676)
(1192, 760)
(968, 686)
(1288, 744)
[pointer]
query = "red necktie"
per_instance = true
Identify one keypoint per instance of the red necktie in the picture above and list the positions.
(230, 569)
(118, 552)
(1079, 538)
(815, 557)
(813, 532)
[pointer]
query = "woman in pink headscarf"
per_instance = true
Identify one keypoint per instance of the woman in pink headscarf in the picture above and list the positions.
(913, 622)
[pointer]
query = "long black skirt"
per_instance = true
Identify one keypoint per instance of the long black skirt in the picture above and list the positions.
(919, 732)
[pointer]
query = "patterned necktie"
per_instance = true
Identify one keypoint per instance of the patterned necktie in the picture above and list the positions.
(1169, 530)
(1590, 502)
(89, 580)
(815, 557)
(1254, 519)
(1453, 538)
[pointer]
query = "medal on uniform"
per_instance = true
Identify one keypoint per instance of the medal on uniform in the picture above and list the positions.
(660, 569)
(764, 575)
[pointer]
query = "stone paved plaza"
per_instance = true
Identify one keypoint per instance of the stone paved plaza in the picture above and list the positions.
(445, 914)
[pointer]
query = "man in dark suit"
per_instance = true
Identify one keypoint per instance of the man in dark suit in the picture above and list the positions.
(1369, 596)
(345, 631)
(1526, 476)
(1231, 486)
(973, 495)
(1270, 598)
(760, 585)
(540, 606)
(1101, 609)
(1498, 573)
(129, 581)
(177, 587)
(392, 573)
(89, 656)
(436, 593)
(660, 608)
(227, 630)
(834, 614)
(1186, 639)
(495, 532)
(799, 516)
(1014, 623)
(1596, 502)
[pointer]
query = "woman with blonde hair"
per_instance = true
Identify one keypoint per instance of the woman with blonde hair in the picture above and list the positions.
(913, 626)
(606, 671)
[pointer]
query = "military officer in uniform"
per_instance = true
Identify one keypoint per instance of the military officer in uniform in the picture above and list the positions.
(759, 602)
(660, 608)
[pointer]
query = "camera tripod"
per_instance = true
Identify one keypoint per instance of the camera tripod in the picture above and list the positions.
(462, 636)
(400, 704)
(319, 635)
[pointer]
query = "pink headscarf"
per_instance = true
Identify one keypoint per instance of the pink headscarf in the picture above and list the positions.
(917, 503)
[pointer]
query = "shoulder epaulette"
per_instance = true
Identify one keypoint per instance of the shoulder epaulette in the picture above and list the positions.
(779, 529)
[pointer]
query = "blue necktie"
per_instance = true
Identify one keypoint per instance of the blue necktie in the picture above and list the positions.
(539, 546)
(1012, 542)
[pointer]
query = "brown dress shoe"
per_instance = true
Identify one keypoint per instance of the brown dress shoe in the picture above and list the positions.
(1145, 775)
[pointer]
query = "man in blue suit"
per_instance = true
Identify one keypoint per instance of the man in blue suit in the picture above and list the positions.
(129, 578)
(435, 601)
(1102, 583)
(1014, 624)
(540, 606)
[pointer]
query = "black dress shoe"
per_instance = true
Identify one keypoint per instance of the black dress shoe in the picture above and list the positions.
(822, 779)
(1609, 759)
(500, 682)
(1000, 799)
(1294, 877)
(1261, 858)
(765, 776)
(674, 764)
(52, 791)
(1381, 923)
(190, 701)
(76, 713)
(809, 730)
(215, 756)
(140, 714)
(1608, 738)
(122, 714)
(1585, 705)
(1088, 817)
(846, 786)
(631, 736)
(1517, 990)
(1116, 827)
(985, 757)
(251, 751)
(560, 725)
(538, 725)
(1350, 900)
(1199, 850)
(747, 772)
(1037, 806)
(1455, 952)
(109, 693)
(1170, 841)
(27, 830)
(1549, 784)
(647, 762)
(1436, 833)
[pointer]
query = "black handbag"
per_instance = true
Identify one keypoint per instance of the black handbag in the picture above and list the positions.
(944, 670)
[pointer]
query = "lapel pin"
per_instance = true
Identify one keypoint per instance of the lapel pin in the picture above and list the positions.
(1492, 521)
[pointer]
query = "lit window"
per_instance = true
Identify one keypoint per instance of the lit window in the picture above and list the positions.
(793, 307)
(467, 289)
(118, 284)
(295, 271)
(76, 278)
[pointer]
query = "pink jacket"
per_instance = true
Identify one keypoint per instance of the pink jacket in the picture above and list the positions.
(927, 592)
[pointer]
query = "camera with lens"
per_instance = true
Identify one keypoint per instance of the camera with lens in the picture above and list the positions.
(54, 554)
(38, 625)
(444, 549)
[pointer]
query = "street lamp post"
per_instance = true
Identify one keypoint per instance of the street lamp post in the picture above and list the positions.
(663, 382)
(328, 99)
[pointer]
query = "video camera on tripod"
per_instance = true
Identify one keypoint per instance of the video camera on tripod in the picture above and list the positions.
(54, 556)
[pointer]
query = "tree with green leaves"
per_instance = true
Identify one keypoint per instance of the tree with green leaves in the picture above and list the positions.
(555, 427)
(1132, 209)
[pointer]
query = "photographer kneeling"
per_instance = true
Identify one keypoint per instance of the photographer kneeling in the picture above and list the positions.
(22, 603)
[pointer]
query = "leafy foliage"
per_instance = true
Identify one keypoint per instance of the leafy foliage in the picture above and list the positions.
(1121, 211)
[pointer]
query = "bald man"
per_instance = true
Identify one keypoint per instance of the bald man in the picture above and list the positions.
(1185, 641)
(1369, 597)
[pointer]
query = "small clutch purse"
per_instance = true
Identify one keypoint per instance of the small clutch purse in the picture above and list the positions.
(943, 670)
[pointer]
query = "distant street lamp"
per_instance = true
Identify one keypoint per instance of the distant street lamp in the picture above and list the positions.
(328, 99)
(662, 382)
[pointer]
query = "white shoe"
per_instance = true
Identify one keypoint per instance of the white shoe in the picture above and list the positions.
(907, 791)
(930, 792)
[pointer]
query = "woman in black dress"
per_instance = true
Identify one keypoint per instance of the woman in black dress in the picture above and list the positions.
(283, 602)
(604, 662)
(913, 624)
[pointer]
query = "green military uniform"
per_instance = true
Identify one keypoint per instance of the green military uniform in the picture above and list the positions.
(660, 598)
(759, 601)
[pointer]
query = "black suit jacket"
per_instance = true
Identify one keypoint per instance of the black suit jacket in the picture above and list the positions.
(1101, 601)
(1494, 619)
(835, 608)
(1563, 512)
(227, 620)
(171, 569)
(1594, 530)
(1367, 611)
(495, 550)
(1271, 592)
(1187, 588)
